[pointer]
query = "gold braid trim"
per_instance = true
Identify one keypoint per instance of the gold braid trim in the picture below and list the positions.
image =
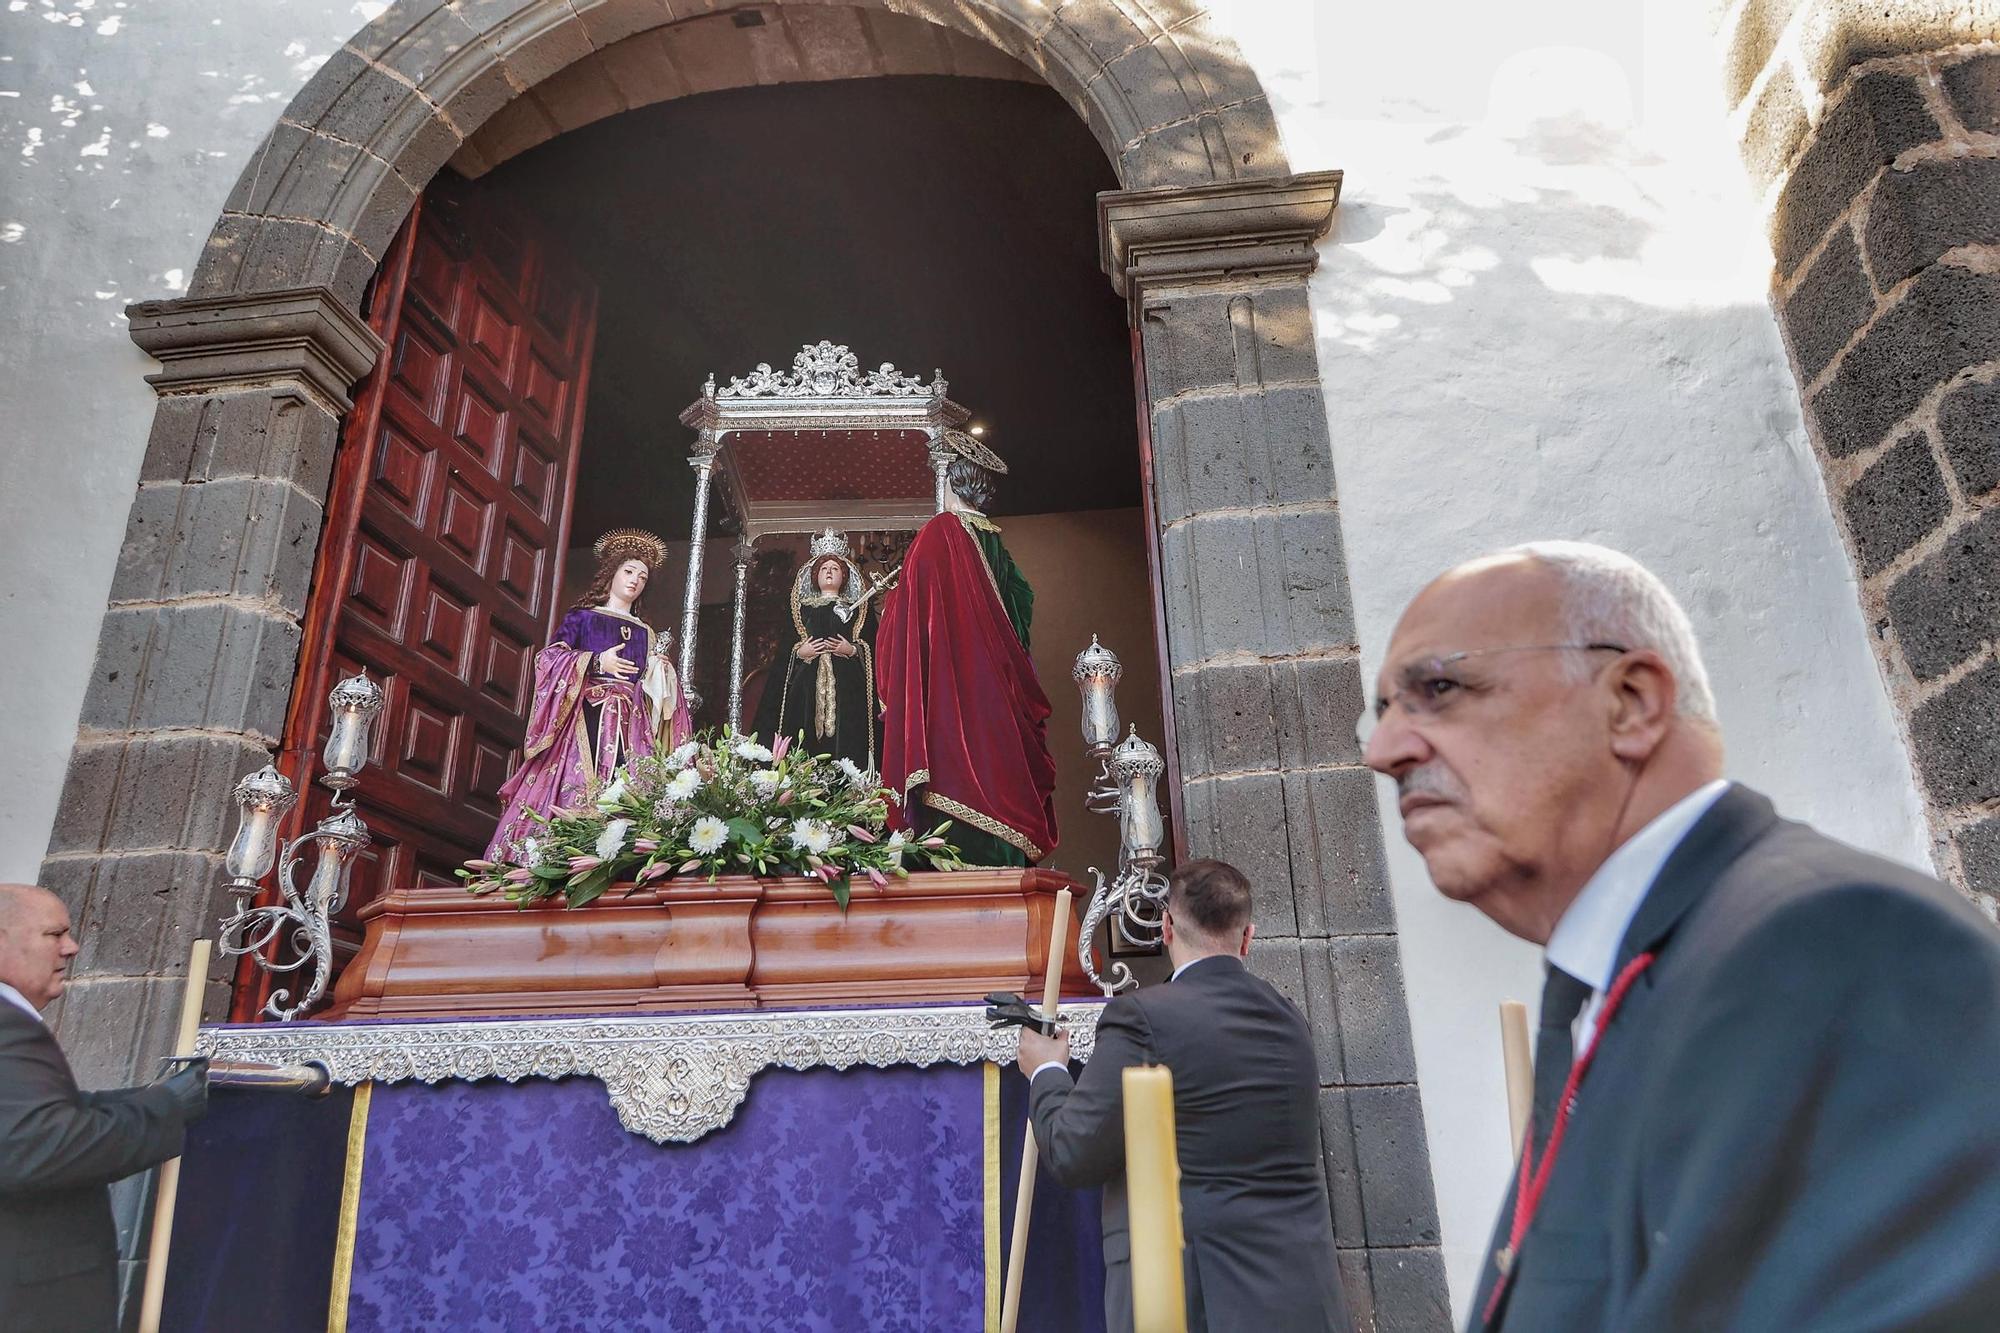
(868, 675)
(824, 697)
(991, 581)
(581, 667)
(984, 823)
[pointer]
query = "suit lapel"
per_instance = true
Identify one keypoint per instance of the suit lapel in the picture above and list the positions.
(1738, 818)
(1725, 831)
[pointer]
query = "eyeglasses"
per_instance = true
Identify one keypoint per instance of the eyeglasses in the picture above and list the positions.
(1428, 688)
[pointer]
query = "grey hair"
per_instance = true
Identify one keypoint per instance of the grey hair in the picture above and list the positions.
(1608, 597)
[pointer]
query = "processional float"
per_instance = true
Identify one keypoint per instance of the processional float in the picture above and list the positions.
(474, 1093)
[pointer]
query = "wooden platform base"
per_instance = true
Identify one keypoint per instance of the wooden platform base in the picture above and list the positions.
(740, 943)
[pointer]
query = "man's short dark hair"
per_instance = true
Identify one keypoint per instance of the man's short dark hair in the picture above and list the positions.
(970, 483)
(1211, 897)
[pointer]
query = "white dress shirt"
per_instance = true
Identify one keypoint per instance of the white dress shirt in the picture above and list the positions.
(20, 1001)
(1585, 941)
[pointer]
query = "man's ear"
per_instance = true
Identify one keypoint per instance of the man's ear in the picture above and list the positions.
(1249, 929)
(1644, 695)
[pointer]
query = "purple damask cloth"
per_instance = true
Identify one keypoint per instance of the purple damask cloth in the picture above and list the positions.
(584, 724)
(835, 1202)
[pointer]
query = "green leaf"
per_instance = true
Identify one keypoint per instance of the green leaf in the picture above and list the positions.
(744, 830)
(841, 891)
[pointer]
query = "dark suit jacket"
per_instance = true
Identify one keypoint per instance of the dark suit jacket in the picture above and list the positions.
(1794, 1121)
(1254, 1208)
(59, 1149)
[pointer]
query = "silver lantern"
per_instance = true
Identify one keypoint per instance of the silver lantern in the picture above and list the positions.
(295, 934)
(354, 703)
(1132, 904)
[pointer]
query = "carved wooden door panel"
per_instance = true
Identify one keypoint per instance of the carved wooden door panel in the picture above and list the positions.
(447, 521)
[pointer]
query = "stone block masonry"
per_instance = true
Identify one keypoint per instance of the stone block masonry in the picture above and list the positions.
(1876, 137)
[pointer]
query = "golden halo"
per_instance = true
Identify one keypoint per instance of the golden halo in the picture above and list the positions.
(622, 544)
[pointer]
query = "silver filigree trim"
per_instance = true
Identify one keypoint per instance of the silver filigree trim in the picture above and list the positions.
(671, 1079)
(828, 370)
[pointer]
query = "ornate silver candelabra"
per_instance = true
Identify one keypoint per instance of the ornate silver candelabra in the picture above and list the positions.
(1133, 902)
(302, 923)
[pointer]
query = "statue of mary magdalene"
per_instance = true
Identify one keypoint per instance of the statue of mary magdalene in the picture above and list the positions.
(965, 722)
(822, 688)
(605, 693)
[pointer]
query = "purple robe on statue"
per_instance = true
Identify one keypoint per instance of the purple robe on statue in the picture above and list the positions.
(585, 724)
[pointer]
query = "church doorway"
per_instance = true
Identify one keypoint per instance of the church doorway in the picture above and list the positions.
(546, 319)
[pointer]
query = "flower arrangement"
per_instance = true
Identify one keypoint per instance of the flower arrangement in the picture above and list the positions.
(720, 804)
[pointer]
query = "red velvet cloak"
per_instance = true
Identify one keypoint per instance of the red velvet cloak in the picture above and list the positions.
(965, 718)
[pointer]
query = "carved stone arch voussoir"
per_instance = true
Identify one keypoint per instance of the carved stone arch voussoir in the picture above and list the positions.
(1172, 102)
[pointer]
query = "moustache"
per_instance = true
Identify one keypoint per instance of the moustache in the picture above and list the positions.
(1432, 779)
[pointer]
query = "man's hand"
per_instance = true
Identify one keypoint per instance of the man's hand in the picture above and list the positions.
(1037, 1050)
(189, 1087)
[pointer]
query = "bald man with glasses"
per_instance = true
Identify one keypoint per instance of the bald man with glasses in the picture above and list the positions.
(1768, 1064)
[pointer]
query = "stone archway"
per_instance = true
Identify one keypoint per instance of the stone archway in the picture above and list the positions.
(1211, 242)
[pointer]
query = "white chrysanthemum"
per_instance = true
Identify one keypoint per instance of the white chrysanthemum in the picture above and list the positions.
(612, 840)
(708, 836)
(609, 798)
(749, 749)
(856, 777)
(680, 755)
(765, 782)
(685, 784)
(811, 835)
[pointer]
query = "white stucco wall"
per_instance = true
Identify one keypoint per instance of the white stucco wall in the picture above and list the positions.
(123, 126)
(1542, 313)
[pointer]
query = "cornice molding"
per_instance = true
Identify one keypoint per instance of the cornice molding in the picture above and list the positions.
(216, 343)
(1210, 233)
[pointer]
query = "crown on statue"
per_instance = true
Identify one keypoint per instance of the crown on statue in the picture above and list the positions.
(830, 543)
(622, 544)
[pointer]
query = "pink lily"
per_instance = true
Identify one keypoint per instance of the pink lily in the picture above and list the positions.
(880, 881)
(933, 842)
(653, 872)
(860, 834)
(479, 865)
(646, 845)
(828, 873)
(785, 796)
(689, 865)
(581, 864)
(779, 747)
(520, 875)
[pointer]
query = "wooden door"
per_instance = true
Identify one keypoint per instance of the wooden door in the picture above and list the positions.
(448, 518)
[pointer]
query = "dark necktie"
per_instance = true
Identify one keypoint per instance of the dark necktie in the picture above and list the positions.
(1555, 1050)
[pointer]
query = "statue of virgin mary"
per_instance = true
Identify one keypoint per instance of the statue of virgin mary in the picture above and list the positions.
(605, 693)
(823, 687)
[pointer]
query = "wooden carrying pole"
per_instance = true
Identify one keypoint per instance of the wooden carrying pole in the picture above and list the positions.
(1024, 1197)
(1153, 1198)
(170, 1170)
(1515, 1053)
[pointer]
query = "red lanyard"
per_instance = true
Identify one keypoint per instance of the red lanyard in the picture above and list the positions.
(1532, 1179)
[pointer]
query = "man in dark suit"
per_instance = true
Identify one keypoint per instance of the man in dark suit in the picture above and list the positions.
(1766, 1069)
(1254, 1209)
(60, 1148)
